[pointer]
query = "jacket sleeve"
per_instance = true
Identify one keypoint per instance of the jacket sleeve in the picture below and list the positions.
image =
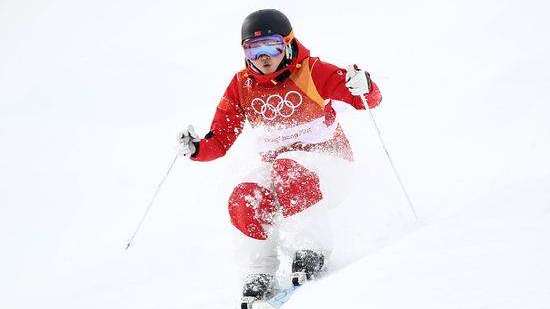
(330, 81)
(226, 126)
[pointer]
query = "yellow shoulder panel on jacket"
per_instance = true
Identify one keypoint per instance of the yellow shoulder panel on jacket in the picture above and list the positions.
(302, 78)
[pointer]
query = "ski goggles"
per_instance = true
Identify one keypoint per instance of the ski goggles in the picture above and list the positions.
(271, 45)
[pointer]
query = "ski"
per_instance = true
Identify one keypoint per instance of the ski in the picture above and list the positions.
(276, 301)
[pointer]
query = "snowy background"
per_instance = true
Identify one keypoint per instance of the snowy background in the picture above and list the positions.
(92, 94)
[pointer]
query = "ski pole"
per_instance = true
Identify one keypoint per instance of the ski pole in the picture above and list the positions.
(396, 173)
(131, 241)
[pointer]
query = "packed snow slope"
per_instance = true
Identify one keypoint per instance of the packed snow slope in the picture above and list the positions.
(92, 94)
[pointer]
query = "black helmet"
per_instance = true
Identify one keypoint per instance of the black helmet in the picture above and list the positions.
(265, 22)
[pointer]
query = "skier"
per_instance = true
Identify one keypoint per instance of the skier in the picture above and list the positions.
(289, 98)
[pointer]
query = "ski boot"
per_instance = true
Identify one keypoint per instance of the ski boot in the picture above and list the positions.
(306, 266)
(257, 287)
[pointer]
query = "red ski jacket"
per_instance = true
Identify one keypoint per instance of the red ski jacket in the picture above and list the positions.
(290, 109)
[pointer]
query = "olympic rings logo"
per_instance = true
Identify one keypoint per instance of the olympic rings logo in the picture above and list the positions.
(275, 105)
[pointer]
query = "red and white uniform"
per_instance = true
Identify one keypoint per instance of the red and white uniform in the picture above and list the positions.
(302, 147)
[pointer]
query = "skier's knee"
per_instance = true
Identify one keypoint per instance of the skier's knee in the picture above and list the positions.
(297, 188)
(250, 207)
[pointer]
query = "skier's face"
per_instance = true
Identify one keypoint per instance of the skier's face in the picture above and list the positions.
(267, 64)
